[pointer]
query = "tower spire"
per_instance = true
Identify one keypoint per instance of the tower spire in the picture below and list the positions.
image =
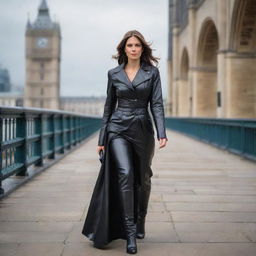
(43, 5)
(43, 8)
(28, 22)
(43, 17)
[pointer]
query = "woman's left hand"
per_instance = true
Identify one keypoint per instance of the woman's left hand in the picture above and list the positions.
(162, 142)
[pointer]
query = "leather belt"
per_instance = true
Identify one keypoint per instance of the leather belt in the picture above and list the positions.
(131, 104)
(129, 111)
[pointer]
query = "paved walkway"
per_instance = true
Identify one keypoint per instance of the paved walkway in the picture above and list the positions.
(203, 203)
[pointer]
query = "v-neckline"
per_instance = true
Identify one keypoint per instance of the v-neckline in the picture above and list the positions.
(134, 76)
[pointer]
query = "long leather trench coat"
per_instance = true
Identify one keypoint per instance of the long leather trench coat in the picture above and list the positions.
(126, 114)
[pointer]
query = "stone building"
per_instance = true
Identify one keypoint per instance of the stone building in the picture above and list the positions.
(11, 99)
(43, 56)
(212, 58)
(84, 105)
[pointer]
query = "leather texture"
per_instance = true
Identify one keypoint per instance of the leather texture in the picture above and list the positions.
(145, 89)
(127, 135)
(122, 153)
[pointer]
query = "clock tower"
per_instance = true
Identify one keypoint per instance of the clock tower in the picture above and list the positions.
(43, 50)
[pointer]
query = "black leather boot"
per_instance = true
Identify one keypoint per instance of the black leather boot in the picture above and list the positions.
(130, 227)
(143, 196)
(140, 227)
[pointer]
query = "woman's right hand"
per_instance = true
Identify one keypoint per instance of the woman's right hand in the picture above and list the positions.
(99, 148)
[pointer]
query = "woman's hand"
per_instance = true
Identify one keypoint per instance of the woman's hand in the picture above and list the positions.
(162, 142)
(99, 148)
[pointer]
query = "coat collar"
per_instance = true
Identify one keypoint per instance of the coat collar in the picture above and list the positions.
(143, 74)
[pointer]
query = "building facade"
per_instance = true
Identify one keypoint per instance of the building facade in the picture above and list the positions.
(83, 105)
(212, 58)
(11, 99)
(43, 56)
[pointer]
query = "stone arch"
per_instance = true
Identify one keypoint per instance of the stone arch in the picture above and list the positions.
(208, 44)
(243, 26)
(241, 61)
(205, 93)
(183, 88)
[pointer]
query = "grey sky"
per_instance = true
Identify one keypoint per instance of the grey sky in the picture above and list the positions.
(91, 30)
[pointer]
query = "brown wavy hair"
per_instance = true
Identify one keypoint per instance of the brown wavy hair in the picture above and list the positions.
(146, 55)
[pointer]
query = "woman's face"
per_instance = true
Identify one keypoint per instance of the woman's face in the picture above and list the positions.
(133, 48)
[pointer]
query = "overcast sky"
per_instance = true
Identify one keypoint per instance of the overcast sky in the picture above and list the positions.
(91, 30)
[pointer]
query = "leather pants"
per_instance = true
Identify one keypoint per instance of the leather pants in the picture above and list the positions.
(121, 151)
(123, 156)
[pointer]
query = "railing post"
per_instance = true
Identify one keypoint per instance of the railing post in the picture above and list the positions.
(22, 151)
(242, 139)
(75, 130)
(1, 152)
(83, 128)
(80, 129)
(62, 134)
(52, 140)
(39, 130)
(68, 120)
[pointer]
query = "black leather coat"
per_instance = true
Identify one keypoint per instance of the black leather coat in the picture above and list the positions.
(144, 89)
(129, 119)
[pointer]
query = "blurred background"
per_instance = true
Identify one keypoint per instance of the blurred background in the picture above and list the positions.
(55, 53)
(81, 38)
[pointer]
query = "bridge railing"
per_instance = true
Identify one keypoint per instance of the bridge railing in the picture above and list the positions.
(30, 136)
(235, 135)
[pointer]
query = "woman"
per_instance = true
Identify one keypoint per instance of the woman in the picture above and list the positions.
(120, 198)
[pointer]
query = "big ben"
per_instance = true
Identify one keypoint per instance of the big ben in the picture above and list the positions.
(43, 56)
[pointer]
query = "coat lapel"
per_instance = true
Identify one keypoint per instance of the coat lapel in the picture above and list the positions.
(142, 75)
(120, 75)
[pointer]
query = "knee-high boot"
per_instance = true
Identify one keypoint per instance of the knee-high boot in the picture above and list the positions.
(127, 198)
(143, 198)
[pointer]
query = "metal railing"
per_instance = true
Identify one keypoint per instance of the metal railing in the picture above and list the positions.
(30, 136)
(235, 135)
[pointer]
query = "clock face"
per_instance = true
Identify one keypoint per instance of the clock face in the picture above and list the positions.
(42, 42)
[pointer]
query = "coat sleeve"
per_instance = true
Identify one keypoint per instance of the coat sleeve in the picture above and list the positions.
(156, 106)
(109, 106)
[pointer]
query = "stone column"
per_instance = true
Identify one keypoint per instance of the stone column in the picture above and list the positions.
(175, 71)
(241, 85)
(169, 89)
(222, 20)
(192, 58)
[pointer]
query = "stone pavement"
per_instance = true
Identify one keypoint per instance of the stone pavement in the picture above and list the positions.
(203, 203)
